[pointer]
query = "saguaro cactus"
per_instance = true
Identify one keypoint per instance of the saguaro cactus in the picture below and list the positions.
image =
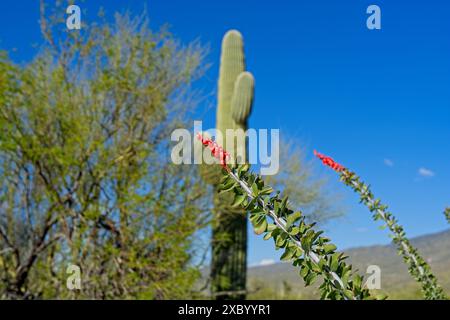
(229, 245)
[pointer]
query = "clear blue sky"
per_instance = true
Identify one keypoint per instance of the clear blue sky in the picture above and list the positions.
(361, 96)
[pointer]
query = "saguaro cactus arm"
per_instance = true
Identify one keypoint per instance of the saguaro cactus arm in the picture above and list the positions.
(242, 99)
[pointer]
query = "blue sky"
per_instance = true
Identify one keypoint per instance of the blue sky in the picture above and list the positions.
(377, 101)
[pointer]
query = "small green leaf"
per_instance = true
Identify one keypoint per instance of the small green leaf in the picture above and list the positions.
(292, 218)
(304, 272)
(334, 262)
(262, 227)
(328, 248)
(357, 280)
(284, 202)
(310, 279)
(267, 236)
(243, 168)
(280, 241)
(238, 200)
(255, 190)
(348, 294)
(266, 191)
(225, 179)
(287, 255)
(294, 231)
(227, 187)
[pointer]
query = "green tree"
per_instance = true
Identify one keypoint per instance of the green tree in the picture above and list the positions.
(85, 175)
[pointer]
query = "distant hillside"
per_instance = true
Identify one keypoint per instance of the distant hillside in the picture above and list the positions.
(281, 280)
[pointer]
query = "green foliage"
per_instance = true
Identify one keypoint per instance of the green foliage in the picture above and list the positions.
(313, 253)
(85, 178)
(447, 214)
(417, 266)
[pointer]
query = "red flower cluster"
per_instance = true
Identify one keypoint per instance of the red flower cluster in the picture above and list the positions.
(329, 161)
(216, 150)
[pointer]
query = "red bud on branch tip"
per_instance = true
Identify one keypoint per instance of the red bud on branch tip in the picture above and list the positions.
(329, 162)
(216, 150)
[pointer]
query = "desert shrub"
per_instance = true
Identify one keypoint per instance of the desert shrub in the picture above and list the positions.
(84, 176)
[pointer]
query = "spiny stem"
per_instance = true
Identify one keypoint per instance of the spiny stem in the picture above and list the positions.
(313, 253)
(419, 269)
(281, 223)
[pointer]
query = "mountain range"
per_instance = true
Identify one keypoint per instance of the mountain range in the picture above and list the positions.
(282, 281)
